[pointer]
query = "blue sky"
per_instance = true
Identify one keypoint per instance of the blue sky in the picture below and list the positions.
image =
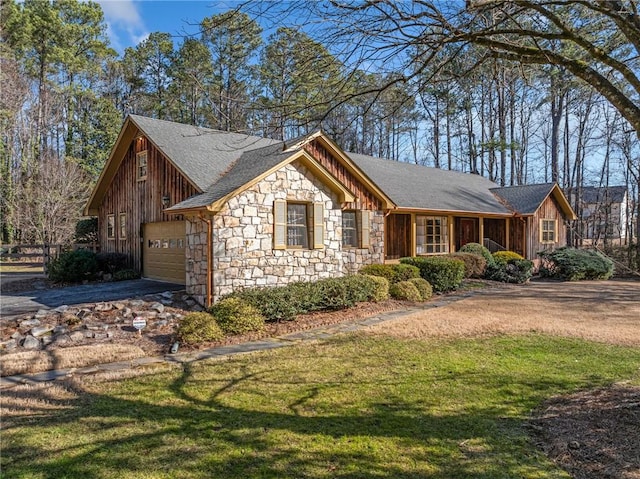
(131, 21)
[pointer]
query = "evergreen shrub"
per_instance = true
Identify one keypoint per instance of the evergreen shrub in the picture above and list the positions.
(405, 290)
(571, 264)
(236, 316)
(392, 272)
(199, 328)
(443, 273)
(504, 257)
(474, 264)
(73, 266)
(424, 288)
(477, 248)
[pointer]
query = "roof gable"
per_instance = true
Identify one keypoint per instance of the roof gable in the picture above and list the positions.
(527, 199)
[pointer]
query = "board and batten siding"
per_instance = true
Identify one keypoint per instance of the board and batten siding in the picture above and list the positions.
(549, 210)
(141, 201)
(368, 201)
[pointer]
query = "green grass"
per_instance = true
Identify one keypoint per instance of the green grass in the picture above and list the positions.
(352, 407)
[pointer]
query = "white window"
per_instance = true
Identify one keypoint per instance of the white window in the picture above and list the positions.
(123, 226)
(432, 235)
(298, 225)
(355, 229)
(141, 159)
(111, 226)
(548, 231)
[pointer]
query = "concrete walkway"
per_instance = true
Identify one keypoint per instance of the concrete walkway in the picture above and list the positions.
(12, 304)
(224, 352)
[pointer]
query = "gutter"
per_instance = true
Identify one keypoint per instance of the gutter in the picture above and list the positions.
(209, 296)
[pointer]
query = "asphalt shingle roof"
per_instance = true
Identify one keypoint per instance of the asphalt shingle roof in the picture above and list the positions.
(594, 194)
(421, 187)
(202, 154)
(525, 199)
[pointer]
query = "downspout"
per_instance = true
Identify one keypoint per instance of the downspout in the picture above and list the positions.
(209, 222)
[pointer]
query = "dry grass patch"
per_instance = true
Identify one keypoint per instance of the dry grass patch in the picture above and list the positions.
(603, 311)
(25, 362)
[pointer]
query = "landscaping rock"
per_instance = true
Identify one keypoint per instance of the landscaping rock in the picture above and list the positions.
(159, 307)
(30, 343)
(83, 313)
(41, 331)
(101, 307)
(62, 339)
(29, 323)
(60, 329)
(100, 336)
(119, 306)
(9, 345)
(88, 334)
(62, 309)
(127, 312)
(166, 302)
(77, 336)
(42, 313)
(136, 303)
(167, 294)
(164, 316)
(161, 323)
(46, 340)
(17, 336)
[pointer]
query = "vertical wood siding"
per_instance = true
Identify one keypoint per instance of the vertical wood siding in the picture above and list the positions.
(549, 210)
(368, 200)
(140, 200)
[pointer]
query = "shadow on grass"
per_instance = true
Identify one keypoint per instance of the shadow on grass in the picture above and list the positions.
(192, 436)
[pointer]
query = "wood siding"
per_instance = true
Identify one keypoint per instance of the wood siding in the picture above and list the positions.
(398, 237)
(141, 201)
(549, 210)
(495, 230)
(368, 201)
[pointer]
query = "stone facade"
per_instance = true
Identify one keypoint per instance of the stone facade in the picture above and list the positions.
(243, 252)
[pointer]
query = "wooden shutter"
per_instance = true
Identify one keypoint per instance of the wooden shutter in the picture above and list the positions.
(318, 225)
(365, 228)
(279, 224)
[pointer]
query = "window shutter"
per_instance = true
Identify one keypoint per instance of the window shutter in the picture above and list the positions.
(318, 225)
(279, 224)
(365, 228)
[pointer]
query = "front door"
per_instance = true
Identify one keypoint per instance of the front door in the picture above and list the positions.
(398, 236)
(467, 232)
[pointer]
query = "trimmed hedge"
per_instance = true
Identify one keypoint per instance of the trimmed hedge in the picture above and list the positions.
(381, 292)
(443, 273)
(236, 316)
(573, 264)
(503, 257)
(424, 288)
(286, 302)
(198, 328)
(392, 272)
(73, 266)
(405, 290)
(513, 271)
(480, 250)
(474, 265)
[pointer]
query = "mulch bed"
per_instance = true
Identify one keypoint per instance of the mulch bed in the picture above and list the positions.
(592, 434)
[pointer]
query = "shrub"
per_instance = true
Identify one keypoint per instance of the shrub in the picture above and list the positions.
(444, 274)
(392, 272)
(87, 230)
(236, 316)
(381, 289)
(572, 264)
(513, 271)
(199, 327)
(423, 287)
(360, 287)
(275, 304)
(477, 248)
(405, 290)
(503, 257)
(73, 266)
(474, 265)
(112, 262)
(125, 274)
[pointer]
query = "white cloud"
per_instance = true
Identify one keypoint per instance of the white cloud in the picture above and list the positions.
(123, 18)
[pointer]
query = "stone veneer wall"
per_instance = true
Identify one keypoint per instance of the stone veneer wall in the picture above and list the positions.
(243, 239)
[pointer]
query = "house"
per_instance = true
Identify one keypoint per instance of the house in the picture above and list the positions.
(218, 211)
(602, 213)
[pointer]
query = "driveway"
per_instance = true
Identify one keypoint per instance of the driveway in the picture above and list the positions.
(12, 304)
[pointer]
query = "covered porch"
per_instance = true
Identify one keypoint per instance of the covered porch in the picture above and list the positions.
(432, 233)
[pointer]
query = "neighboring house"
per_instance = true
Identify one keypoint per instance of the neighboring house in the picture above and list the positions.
(219, 211)
(602, 213)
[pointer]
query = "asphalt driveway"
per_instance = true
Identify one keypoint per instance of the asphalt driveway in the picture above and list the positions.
(12, 304)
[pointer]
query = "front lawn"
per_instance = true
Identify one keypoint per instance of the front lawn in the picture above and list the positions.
(355, 406)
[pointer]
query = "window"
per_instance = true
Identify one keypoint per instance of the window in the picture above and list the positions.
(548, 231)
(298, 225)
(123, 226)
(432, 235)
(111, 226)
(142, 165)
(355, 229)
(349, 229)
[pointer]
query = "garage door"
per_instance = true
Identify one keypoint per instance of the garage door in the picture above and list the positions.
(163, 251)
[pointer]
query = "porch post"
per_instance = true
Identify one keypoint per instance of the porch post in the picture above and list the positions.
(507, 233)
(414, 238)
(481, 230)
(452, 231)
